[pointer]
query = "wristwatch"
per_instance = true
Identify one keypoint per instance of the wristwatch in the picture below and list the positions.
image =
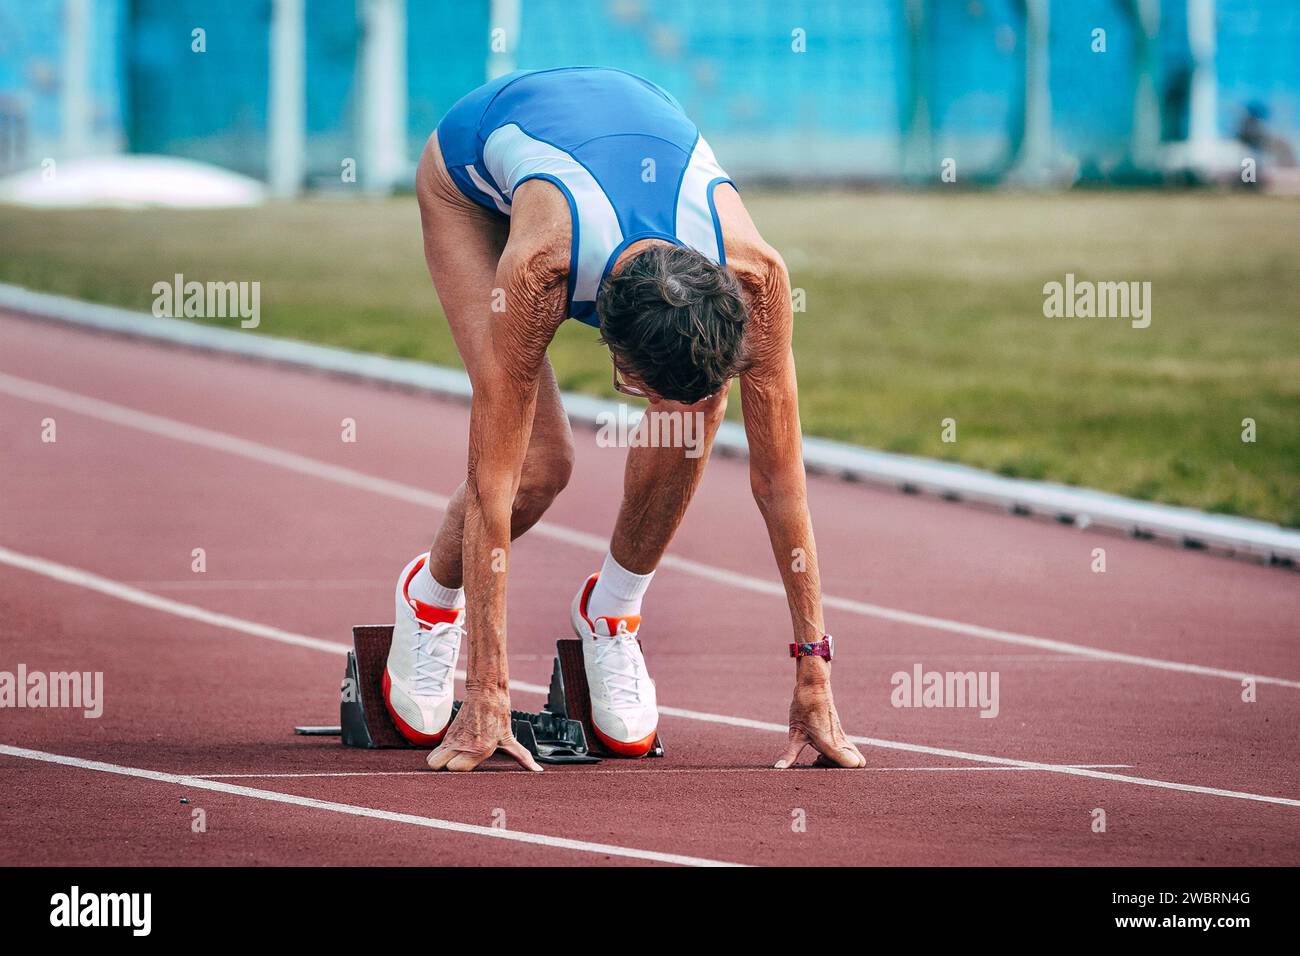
(823, 648)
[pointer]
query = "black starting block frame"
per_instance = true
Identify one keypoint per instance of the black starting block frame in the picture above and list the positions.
(570, 697)
(560, 733)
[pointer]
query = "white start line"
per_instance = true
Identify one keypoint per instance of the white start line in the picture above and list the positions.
(350, 809)
(88, 580)
(697, 771)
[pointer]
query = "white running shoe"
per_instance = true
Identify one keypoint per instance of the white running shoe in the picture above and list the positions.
(624, 713)
(420, 679)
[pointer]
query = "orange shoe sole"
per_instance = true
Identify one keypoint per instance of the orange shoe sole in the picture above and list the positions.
(405, 729)
(636, 748)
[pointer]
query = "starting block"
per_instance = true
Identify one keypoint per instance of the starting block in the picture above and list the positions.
(570, 697)
(560, 733)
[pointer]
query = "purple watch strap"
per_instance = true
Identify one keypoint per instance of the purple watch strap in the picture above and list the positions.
(823, 648)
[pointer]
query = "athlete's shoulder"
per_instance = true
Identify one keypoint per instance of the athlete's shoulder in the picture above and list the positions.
(761, 272)
(540, 228)
(748, 253)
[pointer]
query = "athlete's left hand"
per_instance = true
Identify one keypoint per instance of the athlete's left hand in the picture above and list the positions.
(814, 722)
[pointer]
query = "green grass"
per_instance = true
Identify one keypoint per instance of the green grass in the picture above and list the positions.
(919, 307)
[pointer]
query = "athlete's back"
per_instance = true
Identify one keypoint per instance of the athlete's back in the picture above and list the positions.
(630, 162)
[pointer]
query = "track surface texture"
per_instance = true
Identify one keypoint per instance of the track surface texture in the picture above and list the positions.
(1119, 692)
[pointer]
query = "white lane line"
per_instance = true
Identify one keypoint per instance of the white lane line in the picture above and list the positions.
(587, 771)
(220, 441)
(216, 584)
(1067, 769)
(124, 592)
(94, 582)
(296, 776)
(349, 809)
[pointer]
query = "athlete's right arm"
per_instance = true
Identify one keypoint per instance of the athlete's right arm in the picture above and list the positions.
(531, 283)
(532, 286)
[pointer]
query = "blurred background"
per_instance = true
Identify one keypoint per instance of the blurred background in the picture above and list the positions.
(925, 167)
(1070, 90)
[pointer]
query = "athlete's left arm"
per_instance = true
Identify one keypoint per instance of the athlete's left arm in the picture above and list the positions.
(770, 402)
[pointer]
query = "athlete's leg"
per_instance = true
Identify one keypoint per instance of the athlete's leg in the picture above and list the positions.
(462, 245)
(658, 484)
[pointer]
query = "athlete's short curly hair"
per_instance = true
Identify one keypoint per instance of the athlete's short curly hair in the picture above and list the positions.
(675, 320)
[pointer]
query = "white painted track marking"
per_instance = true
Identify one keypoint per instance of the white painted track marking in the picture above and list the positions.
(220, 441)
(94, 582)
(349, 809)
(703, 771)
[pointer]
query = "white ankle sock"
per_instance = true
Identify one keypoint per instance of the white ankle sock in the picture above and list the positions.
(618, 591)
(424, 587)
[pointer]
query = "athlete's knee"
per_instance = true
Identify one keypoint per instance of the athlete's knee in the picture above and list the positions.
(551, 476)
(715, 408)
(708, 412)
(543, 477)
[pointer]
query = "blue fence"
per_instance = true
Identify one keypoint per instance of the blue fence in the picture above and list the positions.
(793, 87)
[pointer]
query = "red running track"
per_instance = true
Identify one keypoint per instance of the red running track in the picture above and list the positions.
(1137, 711)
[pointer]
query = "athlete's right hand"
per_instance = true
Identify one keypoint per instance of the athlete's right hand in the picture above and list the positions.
(481, 727)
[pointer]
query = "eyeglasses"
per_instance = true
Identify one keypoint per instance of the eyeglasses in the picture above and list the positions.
(636, 391)
(624, 388)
